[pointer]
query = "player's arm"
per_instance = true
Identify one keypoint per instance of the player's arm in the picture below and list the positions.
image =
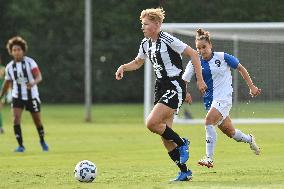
(187, 75)
(188, 51)
(188, 98)
(37, 78)
(2, 72)
(254, 91)
(133, 65)
(5, 88)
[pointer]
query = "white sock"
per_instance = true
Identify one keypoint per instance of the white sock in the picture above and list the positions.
(211, 137)
(241, 137)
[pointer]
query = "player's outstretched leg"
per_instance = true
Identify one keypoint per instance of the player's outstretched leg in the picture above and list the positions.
(227, 128)
(239, 136)
(253, 145)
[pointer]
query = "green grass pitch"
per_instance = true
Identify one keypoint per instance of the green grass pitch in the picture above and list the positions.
(128, 155)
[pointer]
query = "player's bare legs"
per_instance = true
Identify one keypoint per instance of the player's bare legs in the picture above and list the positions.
(156, 122)
(17, 115)
(36, 118)
(228, 128)
(160, 121)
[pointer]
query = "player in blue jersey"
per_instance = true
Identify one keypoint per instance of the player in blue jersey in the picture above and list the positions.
(216, 71)
(165, 52)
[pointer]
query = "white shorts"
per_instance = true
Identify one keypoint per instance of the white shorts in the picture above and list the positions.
(224, 107)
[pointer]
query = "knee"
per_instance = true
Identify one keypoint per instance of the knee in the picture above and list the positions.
(208, 120)
(230, 133)
(151, 124)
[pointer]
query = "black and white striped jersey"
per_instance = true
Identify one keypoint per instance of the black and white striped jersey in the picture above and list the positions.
(21, 73)
(164, 54)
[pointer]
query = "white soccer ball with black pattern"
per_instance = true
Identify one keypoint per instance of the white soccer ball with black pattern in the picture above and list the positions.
(85, 171)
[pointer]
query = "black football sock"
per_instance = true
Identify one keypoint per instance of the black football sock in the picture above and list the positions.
(169, 134)
(174, 154)
(40, 131)
(18, 134)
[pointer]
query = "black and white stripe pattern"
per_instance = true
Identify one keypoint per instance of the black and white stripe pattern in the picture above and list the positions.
(164, 54)
(167, 38)
(180, 91)
(20, 73)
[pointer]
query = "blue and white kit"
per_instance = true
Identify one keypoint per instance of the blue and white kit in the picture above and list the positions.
(218, 78)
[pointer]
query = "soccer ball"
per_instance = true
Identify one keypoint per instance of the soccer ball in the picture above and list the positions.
(85, 171)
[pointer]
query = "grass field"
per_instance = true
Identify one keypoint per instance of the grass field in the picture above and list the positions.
(128, 156)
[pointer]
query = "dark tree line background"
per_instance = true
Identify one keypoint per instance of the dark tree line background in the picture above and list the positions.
(54, 31)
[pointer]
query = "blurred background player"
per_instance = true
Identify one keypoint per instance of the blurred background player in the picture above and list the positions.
(218, 97)
(2, 101)
(164, 52)
(24, 74)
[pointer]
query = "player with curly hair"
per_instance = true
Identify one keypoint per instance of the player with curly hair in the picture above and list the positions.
(23, 74)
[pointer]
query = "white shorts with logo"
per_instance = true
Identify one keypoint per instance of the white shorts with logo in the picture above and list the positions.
(224, 107)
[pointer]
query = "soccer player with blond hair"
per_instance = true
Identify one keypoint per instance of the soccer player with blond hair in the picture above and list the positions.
(165, 53)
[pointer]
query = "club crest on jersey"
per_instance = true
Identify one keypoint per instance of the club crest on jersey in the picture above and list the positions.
(218, 63)
(21, 80)
(157, 67)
